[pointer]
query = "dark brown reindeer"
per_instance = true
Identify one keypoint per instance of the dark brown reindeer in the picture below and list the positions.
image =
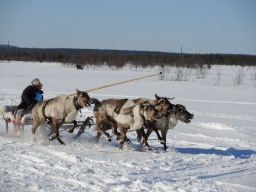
(169, 118)
(162, 105)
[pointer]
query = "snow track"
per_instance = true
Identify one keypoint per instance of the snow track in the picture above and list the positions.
(215, 152)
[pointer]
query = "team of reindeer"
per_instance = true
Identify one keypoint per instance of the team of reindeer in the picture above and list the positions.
(119, 115)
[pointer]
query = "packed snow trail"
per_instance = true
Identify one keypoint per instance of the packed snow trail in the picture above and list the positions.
(215, 152)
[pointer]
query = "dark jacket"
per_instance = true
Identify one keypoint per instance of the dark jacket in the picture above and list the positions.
(28, 97)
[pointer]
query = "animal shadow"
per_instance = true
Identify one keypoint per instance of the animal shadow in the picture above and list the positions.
(237, 153)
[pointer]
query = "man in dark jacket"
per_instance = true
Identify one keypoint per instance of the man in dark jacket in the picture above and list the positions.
(31, 95)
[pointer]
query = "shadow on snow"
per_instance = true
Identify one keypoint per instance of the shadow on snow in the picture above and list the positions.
(243, 154)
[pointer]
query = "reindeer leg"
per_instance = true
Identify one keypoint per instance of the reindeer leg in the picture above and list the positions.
(54, 130)
(52, 135)
(35, 125)
(104, 127)
(57, 129)
(114, 129)
(71, 130)
(138, 136)
(17, 124)
(153, 128)
(142, 132)
(122, 137)
(149, 131)
(57, 133)
(118, 135)
(97, 128)
(97, 137)
(160, 140)
(164, 133)
(128, 141)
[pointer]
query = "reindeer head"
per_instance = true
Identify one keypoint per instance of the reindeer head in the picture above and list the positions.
(149, 111)
(163, 105)
(83, 98)
(182, 114)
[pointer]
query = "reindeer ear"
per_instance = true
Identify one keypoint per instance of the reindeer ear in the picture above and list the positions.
(156, 96)
(77, 91)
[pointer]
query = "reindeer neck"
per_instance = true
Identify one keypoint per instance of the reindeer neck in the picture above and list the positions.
(76, 104)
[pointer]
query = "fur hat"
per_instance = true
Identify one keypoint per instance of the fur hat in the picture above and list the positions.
(34, 81)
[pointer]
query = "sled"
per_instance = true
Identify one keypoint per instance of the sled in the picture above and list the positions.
(88, 122)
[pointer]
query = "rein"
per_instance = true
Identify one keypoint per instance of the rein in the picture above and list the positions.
(48, 119)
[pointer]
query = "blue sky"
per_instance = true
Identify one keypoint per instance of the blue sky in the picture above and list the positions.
(199, 26)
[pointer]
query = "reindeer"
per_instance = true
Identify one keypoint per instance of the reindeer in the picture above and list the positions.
(171, 114)
(58, 110)
(123, 115)
(19, 120)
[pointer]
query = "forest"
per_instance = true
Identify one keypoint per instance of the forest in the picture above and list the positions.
(119, 58)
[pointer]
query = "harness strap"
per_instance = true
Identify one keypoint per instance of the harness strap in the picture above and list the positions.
(77, 106)
(147, 122)
(119, 105)
(48, 119)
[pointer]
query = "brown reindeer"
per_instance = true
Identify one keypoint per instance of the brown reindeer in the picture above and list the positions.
(130, 116)
(58, 110)
(161, 104)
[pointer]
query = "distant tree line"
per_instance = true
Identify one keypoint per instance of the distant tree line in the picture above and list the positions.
(119, 58)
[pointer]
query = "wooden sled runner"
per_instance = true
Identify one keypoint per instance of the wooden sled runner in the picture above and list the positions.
(81, 125)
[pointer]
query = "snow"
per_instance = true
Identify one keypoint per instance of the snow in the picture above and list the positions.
(215, 152)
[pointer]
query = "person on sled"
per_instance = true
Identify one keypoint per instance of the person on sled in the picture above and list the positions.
(30, 96)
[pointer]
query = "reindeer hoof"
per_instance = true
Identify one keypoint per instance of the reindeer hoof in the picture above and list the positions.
(129, 142)
(108, 138)
(121, 148)
(52, 136)
(148, 148)
(70, 130)
(161, 141)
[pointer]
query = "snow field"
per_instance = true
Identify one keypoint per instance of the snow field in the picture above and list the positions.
(215, 152)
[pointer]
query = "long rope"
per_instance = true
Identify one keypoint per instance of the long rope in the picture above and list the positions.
(113, 84)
